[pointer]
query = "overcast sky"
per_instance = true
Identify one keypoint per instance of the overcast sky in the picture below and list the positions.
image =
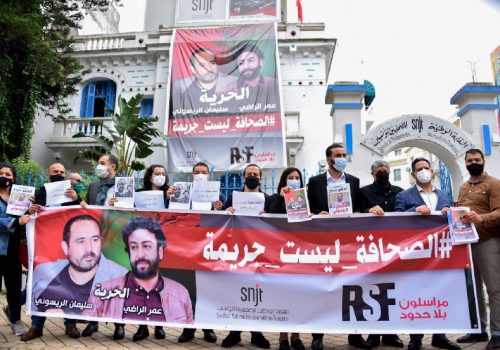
(416, 53)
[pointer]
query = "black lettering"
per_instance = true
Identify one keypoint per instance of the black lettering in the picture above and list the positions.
(383, 299)
(196, 5)
(248, 152)
(352, 297)
(244, 296)
(235, 155)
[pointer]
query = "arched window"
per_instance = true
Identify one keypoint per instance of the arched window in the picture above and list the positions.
(97, 98)
(146, 108)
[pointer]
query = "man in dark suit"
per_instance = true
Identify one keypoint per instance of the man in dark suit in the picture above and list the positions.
(336, 158)
(424, 198)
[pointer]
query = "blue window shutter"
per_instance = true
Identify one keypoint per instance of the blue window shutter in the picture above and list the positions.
(110, 96)
(89, 110)
(146, 108)
(83, 104)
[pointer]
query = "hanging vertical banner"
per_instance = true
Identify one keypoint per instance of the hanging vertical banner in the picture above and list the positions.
(225, 99)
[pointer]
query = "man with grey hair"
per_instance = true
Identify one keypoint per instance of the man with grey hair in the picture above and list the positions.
(379, 198)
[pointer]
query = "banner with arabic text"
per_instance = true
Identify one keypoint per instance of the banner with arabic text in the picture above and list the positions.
(358, 274)
(225, 99)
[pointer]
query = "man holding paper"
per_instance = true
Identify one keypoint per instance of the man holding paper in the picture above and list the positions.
(481, 193)
(252, 176)
(56, 173)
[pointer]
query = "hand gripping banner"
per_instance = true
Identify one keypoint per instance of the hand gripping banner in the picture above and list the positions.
(225, 99)
(360, 274)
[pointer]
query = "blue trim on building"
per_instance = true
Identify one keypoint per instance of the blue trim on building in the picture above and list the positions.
(347, 88)
(349, 139)
(346, 105)
(487, 139)
(471, 106)
(477, 89)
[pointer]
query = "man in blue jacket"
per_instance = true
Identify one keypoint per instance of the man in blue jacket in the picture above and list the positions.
(424, 198)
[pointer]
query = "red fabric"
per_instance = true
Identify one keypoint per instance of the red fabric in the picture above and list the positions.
(299, 11)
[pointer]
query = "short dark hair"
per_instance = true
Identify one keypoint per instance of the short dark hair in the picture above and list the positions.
(201, 164)
(112, 159)
(420, 159)
(197, 52)
(148, 185)
(251, 47)
(12, 168)
(474, 151)
(328, 151)
(255, 165)
(145, 223)
(70, 222)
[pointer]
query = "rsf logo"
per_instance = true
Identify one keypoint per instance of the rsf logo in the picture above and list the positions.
(371, 303)
(236, 154)
(252, 294)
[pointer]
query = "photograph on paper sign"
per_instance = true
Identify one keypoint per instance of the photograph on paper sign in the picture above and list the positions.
(460, 232)
(124, 187)
(297, 207)
(182, 196)
(110, 271)
(339, 199)
(19, 199)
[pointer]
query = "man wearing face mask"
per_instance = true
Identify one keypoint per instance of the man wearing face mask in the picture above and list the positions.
(481, 193)
(424, 198)
(101, 192)
(201, 172)
(336, 158)
(56, 172)
(379, 198)
(252, 176)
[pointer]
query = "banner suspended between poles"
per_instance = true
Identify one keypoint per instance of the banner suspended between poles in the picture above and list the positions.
(225, 99)
(359, 274)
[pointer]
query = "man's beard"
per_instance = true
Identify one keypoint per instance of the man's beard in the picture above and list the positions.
(251, 75)
(150, 272)
(80, 266)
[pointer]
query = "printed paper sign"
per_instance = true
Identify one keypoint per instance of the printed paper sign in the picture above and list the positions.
(19, 200)
(124, 192)
(149, 200)
(248, 203)
(461, 233)
(55, 192)
(297, 205)
(339, 199)
(181, 198)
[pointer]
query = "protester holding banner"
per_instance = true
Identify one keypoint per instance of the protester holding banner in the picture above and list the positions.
(10, 265)
(424, 198)
(378, 198)
(252, 176)
(336, 158)
(56, 173)
(155, 179)
(481, 193)
(291, 179)
(201, 172)
(101, 192)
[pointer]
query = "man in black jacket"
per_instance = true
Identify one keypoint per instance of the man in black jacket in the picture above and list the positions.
(56, 172)
(336, 158)
(379, 198)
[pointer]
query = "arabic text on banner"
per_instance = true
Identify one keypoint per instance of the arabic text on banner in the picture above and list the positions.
(361, 273)
(225, 98)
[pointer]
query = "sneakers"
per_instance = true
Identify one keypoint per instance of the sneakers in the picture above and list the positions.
(17, 328)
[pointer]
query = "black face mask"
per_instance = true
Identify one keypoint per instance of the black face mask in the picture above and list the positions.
(252, 182)
(56, 178)
(475, 169)
(5, 182)
(382, 178)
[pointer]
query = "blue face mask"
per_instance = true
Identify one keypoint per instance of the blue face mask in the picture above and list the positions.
(295, 184)
(340, 164)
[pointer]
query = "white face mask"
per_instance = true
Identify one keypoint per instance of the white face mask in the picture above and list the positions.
(424, 176)
(295, 184)
(101, 171)
(200, 177)
(159, 180)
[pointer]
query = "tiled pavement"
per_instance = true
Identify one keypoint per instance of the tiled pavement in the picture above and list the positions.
(55, 339)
